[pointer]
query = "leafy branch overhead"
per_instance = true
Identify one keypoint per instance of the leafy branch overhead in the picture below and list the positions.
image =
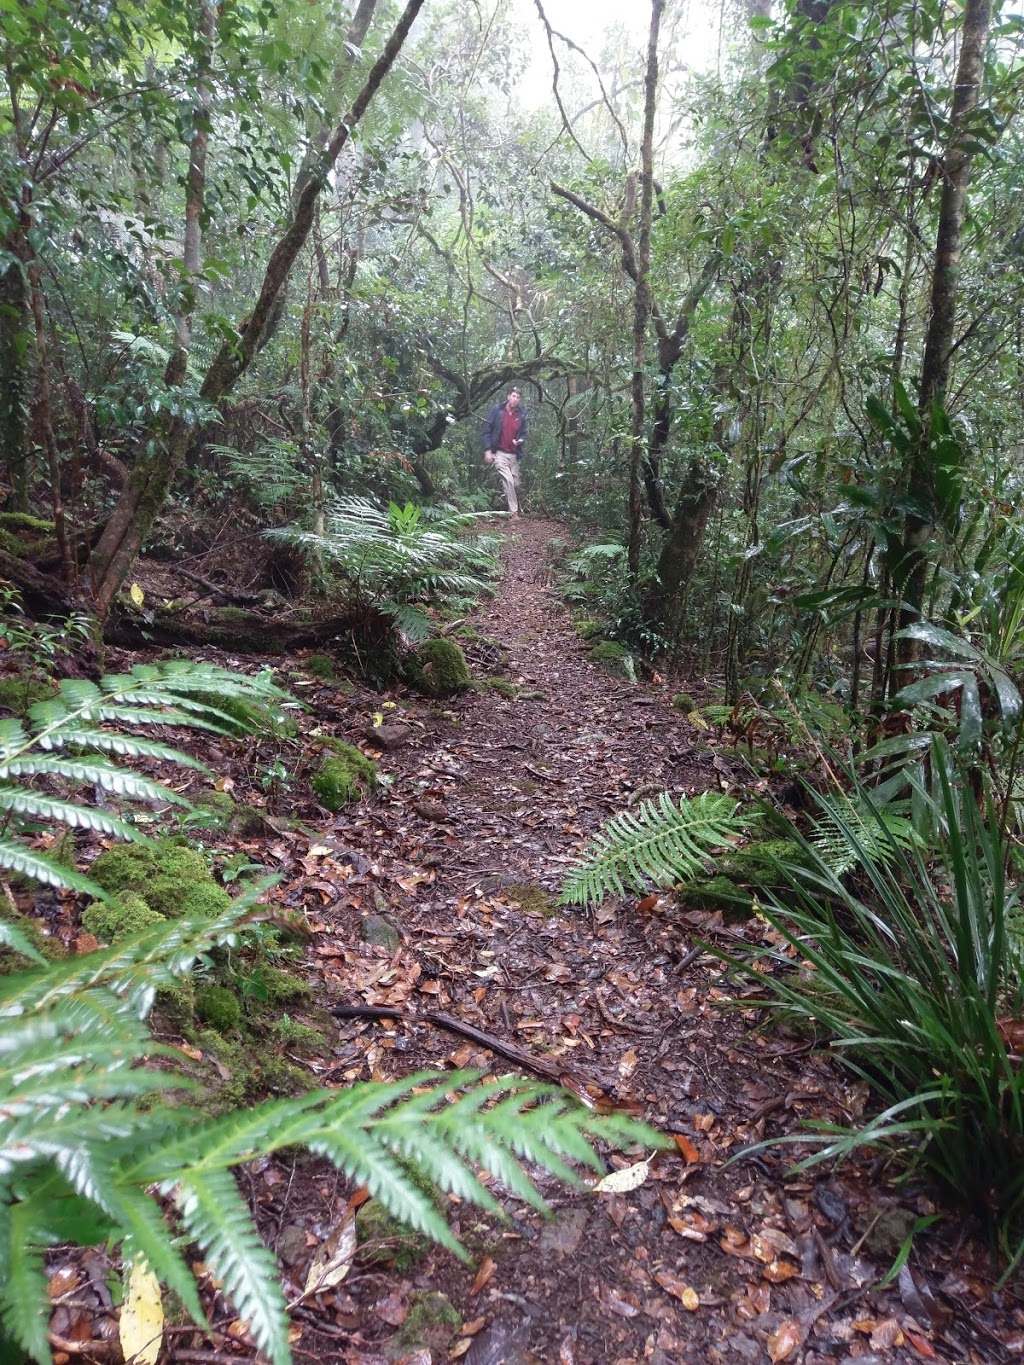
(90, 1138)
(661, 842)
(78, 738)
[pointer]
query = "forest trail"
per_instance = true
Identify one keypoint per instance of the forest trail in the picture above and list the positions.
(464, 855)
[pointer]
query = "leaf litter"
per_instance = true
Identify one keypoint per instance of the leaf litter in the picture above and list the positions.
(461, 854)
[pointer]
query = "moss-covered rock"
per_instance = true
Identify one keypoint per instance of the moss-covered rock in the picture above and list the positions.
(587, 629)
(532, 900)
(282, 988)
(612, 656)
(320, 666)
(682, 701)
(125, 914)
(213, 810)
(347, 775)
(172, 878)
(500, 685)
(25, 536)
(431, 1323)
(218, 1007)
(385, 1241)
(438, 668)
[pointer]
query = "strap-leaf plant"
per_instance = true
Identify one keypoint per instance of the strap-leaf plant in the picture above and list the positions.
(80, 738)
(91, 1140)
(661, 842)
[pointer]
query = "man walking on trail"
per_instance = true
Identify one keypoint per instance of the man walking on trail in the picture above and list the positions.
(504, 435)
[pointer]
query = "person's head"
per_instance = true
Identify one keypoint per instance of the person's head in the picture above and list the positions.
(512, 401)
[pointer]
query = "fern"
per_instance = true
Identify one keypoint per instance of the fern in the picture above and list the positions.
(852, 831)
(63, 733)
(660, 842)
(90, 1137)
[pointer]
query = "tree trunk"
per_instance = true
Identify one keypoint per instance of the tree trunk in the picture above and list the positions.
(14, 379)
(642, 298)
(956, 171)
(146, 490)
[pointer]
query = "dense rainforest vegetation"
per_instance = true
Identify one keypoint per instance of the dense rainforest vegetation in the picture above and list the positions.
(264, 267)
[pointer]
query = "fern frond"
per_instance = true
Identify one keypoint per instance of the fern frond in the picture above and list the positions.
(25, 1300)
(28, 863)
(415, 625)
(30, 803)
(850, 833)
(661, 842)
(11, 937)
(216, 1216)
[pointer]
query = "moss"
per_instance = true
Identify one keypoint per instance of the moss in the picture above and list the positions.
(50, 948)
(320, 666)
(23, 521)
(283, 988)
(757, 862)
(682, 701)
(532, 900)
(345, 777)
(18, 693)
(25, 536)
(127, 913)
(431, 1323)
(717, 893)
(213, 810)
(500, 685)
(438, 668)
(173, 878)
(385, 1241)
(218, 1007)
(238, 615)
(587, 629)
(299, 1037)
(608, 651)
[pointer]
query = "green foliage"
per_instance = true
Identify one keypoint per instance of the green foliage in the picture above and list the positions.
(392, 559)
(912, 972)
(79, 737)
(218, 1007)
(91, 1139)
(661, 842)
(126, 913)
(438, 668)
(345, 777)
(173, 879)
(320, 666)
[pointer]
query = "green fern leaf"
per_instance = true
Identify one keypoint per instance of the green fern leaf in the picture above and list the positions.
(25, 1300)
(28, 863)
(660, 842)
(129, 746)
(219, 1220)
(11, 937)
(30, 803)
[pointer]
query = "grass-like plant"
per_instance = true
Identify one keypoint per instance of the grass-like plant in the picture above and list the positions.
(912, 971)
(661, 842)
(95, 1145)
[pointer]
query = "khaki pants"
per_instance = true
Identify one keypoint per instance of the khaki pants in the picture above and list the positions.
(508, 471)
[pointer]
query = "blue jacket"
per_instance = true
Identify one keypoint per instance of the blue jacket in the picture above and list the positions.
(492, 427)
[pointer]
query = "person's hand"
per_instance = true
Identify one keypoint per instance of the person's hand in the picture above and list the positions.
(488, 457)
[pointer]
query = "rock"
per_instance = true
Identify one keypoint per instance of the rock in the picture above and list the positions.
(388, 737)
(380, 932)
(565, 1233)
(291, 1245)
(431, 810)
(431, 1324)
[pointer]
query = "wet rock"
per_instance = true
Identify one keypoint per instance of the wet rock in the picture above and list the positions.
(380, 932)
(565, 1233)
(388, 737)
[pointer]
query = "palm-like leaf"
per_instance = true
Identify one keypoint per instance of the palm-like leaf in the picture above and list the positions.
(661, 842)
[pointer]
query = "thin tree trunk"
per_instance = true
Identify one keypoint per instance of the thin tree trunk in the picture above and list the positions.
(642, 300)
(956, 172)
(147, 488)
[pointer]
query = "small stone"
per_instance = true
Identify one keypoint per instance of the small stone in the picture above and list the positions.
(380, 932)
(291, 1244)
(565, 1233)
(388, 737)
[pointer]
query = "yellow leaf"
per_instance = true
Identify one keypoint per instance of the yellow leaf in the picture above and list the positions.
(378, 719)
(136, 594)
(620, 1182)
(334, 1257)
(141, 1328)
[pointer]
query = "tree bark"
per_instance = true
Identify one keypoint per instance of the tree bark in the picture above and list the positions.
(642, 295)
(151, 478)
(956, 174)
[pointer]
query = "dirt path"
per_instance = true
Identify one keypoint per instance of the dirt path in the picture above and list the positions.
(703, 1262)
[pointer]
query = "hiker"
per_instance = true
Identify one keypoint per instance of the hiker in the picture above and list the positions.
(504, 435)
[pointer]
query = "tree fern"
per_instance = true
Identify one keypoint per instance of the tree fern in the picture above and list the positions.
(59, 742)
(661, 842)
(88, 1136)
